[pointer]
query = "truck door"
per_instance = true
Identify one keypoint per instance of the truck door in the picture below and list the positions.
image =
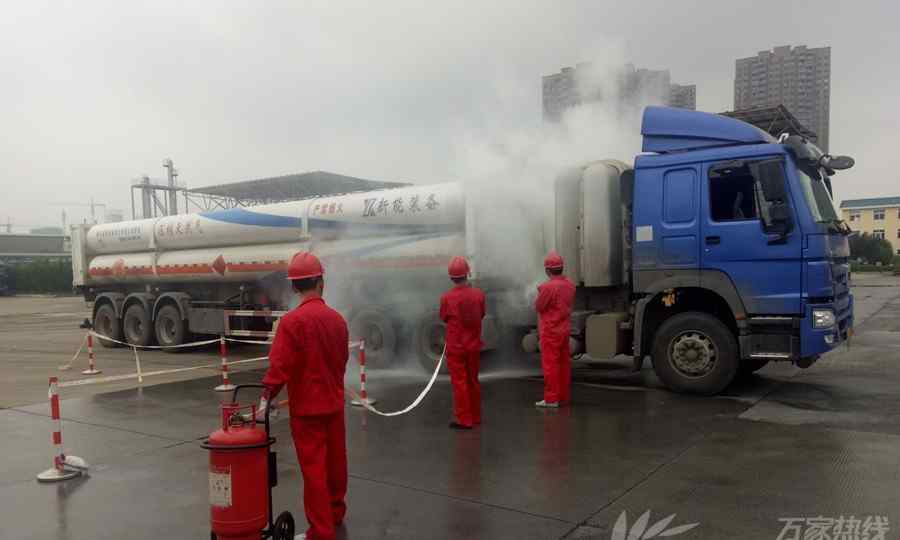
(679, 226)
(666, 223)
(740, 238)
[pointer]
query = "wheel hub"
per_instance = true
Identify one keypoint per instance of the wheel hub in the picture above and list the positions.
(374, 338)
(438, 337)
(693, 354)
(135, 328)
(169, 329)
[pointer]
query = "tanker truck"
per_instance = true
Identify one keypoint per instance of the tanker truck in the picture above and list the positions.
(716, 252)
(169, 279)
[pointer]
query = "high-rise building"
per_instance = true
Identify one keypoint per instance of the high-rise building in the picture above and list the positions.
(575, 86)
(560, 92)
(683, 96)
(796, 77)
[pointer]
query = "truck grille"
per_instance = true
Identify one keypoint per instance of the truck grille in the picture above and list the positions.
(840, 272)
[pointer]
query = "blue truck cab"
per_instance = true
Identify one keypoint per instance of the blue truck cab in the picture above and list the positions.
(738, 257)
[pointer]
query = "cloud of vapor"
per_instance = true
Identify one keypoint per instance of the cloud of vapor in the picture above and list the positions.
(509, 174)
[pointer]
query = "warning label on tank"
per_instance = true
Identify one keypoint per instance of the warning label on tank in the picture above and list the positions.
(220, 487)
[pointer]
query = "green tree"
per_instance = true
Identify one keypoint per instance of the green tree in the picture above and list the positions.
(43, 276)
(870, 249)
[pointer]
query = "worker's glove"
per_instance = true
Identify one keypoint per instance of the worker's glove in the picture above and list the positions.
(531, 294)
(261, 409)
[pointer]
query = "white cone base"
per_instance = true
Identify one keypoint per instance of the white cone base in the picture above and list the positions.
(91, 372)
(224, 388)
(54, 475)
(367, 401)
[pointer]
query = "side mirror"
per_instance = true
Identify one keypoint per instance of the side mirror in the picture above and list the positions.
(770, 174)
(780, 213)
(780, 222)
(836, 163)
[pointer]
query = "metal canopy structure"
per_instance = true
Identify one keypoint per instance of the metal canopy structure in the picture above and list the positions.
(277, 189)
(774, 121)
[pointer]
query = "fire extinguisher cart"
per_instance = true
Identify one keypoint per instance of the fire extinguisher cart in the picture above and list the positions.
(242, 466)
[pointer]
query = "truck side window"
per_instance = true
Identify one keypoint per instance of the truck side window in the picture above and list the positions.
(732, 194)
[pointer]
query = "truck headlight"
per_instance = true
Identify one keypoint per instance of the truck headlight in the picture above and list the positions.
(823, 318)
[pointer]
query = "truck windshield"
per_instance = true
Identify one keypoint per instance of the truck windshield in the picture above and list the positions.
(816, 194)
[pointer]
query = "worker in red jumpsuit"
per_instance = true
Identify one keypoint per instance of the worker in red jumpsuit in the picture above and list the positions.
(554, 307)
(462, 309)
(309, 356)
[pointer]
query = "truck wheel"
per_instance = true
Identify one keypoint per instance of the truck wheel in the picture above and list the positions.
(752, 365)
(428, 342)
(378, 332)
(171, 329)
(696, 353)
(107, 324)
(136, 325)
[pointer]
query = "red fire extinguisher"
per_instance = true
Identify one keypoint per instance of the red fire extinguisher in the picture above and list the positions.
(242, 473)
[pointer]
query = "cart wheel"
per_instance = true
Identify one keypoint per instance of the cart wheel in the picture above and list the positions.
(284, 527)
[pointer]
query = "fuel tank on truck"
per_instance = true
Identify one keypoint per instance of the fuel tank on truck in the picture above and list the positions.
(412, 210)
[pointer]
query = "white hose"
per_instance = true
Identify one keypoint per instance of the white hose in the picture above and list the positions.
(412, 405)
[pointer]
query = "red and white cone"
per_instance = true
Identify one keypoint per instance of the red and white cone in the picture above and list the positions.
(92, 368)
(226, 385)
(64, 467)
(363, 395)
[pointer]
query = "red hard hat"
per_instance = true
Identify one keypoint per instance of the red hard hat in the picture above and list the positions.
(553, 260)
(458, 267)
(304, 265)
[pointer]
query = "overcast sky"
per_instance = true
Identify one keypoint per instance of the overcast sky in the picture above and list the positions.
(96, 95)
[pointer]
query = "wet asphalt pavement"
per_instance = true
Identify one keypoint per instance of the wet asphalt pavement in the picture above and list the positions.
(786, 443)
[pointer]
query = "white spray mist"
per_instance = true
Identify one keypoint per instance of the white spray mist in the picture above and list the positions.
(509, 175)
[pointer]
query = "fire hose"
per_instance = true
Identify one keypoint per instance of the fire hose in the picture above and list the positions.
(415, 402)
(366, 405)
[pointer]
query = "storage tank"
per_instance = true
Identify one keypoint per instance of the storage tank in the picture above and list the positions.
(588, 222)
(243, 244)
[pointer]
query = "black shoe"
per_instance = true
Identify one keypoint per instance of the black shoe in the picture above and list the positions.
(457, 425)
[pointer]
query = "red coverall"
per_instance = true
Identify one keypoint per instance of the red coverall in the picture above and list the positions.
(309, 355)
(462, 308)
(554, 307)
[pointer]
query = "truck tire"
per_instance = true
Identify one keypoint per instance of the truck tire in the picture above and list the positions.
(695, 353)
(171, 329)
(377, 330)
(428, 342)
(107, 324)
(752, 365)
(136, 325)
